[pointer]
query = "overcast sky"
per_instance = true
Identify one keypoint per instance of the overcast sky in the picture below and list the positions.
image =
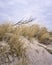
(14, 10)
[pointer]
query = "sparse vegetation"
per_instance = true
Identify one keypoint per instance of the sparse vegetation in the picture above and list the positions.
(12, 34)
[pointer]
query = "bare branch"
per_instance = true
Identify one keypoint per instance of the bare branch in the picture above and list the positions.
(25, 21)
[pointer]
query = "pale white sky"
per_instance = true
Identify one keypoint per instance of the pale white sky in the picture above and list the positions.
(15, 10)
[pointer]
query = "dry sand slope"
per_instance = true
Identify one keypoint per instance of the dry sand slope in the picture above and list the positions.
(35, 55)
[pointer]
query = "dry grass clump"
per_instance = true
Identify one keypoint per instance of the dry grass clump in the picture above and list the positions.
(50, 33)
(42, 31)
(28, 31)
(19, 30)
(11, 34)
(34, 29)
(15, 44)
(3, 30)
(44, 38)
(24, 30)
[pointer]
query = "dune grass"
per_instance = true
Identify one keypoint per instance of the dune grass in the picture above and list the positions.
(12, 35)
